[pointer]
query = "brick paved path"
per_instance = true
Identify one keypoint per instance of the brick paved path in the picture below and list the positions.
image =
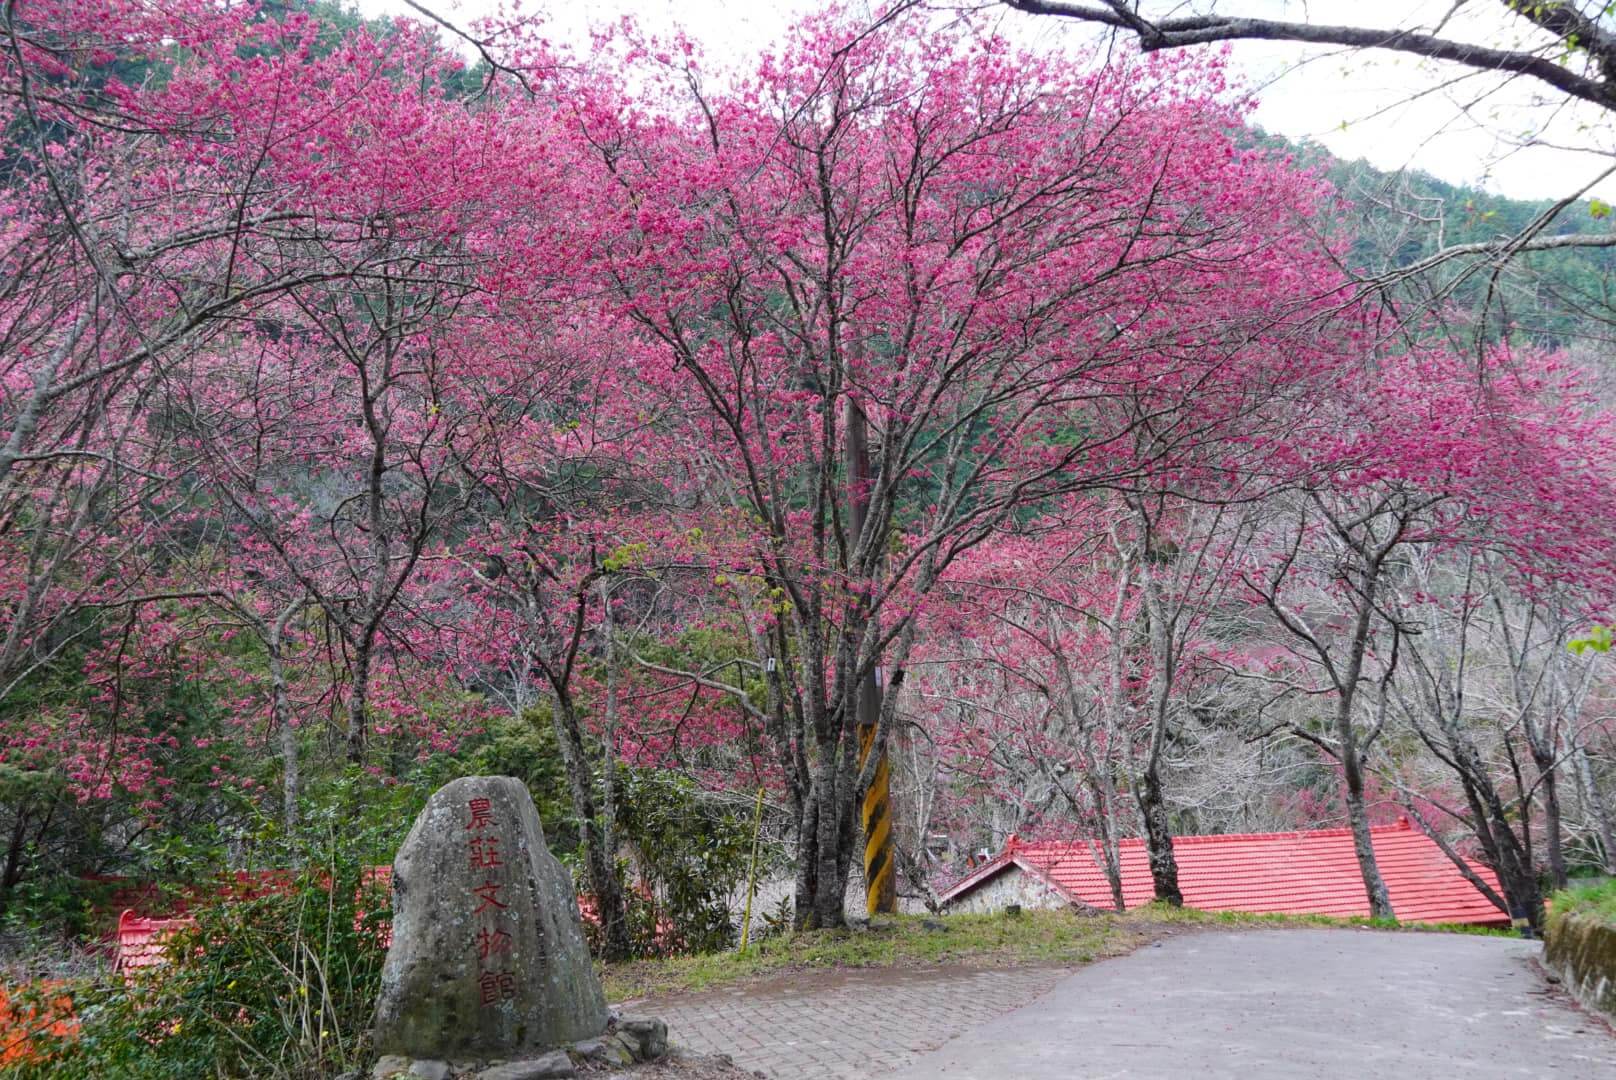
(818, 1025)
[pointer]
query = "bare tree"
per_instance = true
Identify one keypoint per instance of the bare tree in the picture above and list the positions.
(1324, 590)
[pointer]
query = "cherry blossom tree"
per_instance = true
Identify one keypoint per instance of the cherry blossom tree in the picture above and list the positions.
(268, 312)
(871, 235)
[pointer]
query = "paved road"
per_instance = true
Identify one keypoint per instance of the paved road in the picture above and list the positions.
(1291, 1004)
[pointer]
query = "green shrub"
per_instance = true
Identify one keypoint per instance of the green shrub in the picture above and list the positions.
(693, 851)
(277, 985)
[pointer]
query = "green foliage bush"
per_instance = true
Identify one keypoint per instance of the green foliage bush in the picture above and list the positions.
(280, 984)
(692, 851)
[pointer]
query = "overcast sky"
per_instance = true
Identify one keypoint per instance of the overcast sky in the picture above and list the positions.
(1392, 109)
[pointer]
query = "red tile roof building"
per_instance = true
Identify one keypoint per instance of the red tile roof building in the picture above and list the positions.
(1296, 873)
(143, 942)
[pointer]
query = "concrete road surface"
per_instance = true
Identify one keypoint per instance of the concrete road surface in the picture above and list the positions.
(1292, 1004)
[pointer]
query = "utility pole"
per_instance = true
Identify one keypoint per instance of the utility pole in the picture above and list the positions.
(875, 811)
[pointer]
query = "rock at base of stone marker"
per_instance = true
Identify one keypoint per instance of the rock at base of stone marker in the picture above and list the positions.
(551, 1066)
(644, 1039)
(488, 960)
(388, 1066)
(590, 1050)
(609, 1051)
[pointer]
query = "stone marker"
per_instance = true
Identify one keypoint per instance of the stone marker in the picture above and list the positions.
(488, 959)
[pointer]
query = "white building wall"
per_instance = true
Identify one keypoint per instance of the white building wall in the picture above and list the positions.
(771, 891)
(1013, 886)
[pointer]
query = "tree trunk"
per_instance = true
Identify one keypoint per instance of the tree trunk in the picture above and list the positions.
(280, 714)
(1459, 862)
(1107, 855)
(1509, 857)
(1113, 874)
(281, 717)
(806, 885)
(14, 852)
(1549, 776)
(1521, 888)
(1147, 789)
(1380, 904)
(834, 840)
(359, 703)
(1513, 864)
(1597, 808)
(608, 778)
(829, 833)
(1158, 837)
(598, 861)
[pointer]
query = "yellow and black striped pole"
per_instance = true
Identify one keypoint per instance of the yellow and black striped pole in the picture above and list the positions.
(880, 881)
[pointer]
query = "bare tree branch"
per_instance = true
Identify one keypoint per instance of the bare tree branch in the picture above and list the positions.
(1575, 32)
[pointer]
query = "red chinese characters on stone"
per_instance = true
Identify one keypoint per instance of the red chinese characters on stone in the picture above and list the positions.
(496, 986)
(492, 942)
(482, 814)
(487, 895)
(493, 939)
(483, 852)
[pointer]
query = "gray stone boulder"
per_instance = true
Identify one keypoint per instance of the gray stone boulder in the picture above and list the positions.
(552, 1066)
(389, 1066)
(643, 1039)
(488, 959)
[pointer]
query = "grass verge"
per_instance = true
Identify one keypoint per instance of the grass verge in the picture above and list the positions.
(1037, 937)
(1060, 938)
(1597, 900)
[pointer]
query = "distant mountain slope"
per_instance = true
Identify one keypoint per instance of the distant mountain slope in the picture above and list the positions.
(1563, 298)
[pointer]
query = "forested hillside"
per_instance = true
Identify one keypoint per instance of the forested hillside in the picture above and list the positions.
(1398, 221)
